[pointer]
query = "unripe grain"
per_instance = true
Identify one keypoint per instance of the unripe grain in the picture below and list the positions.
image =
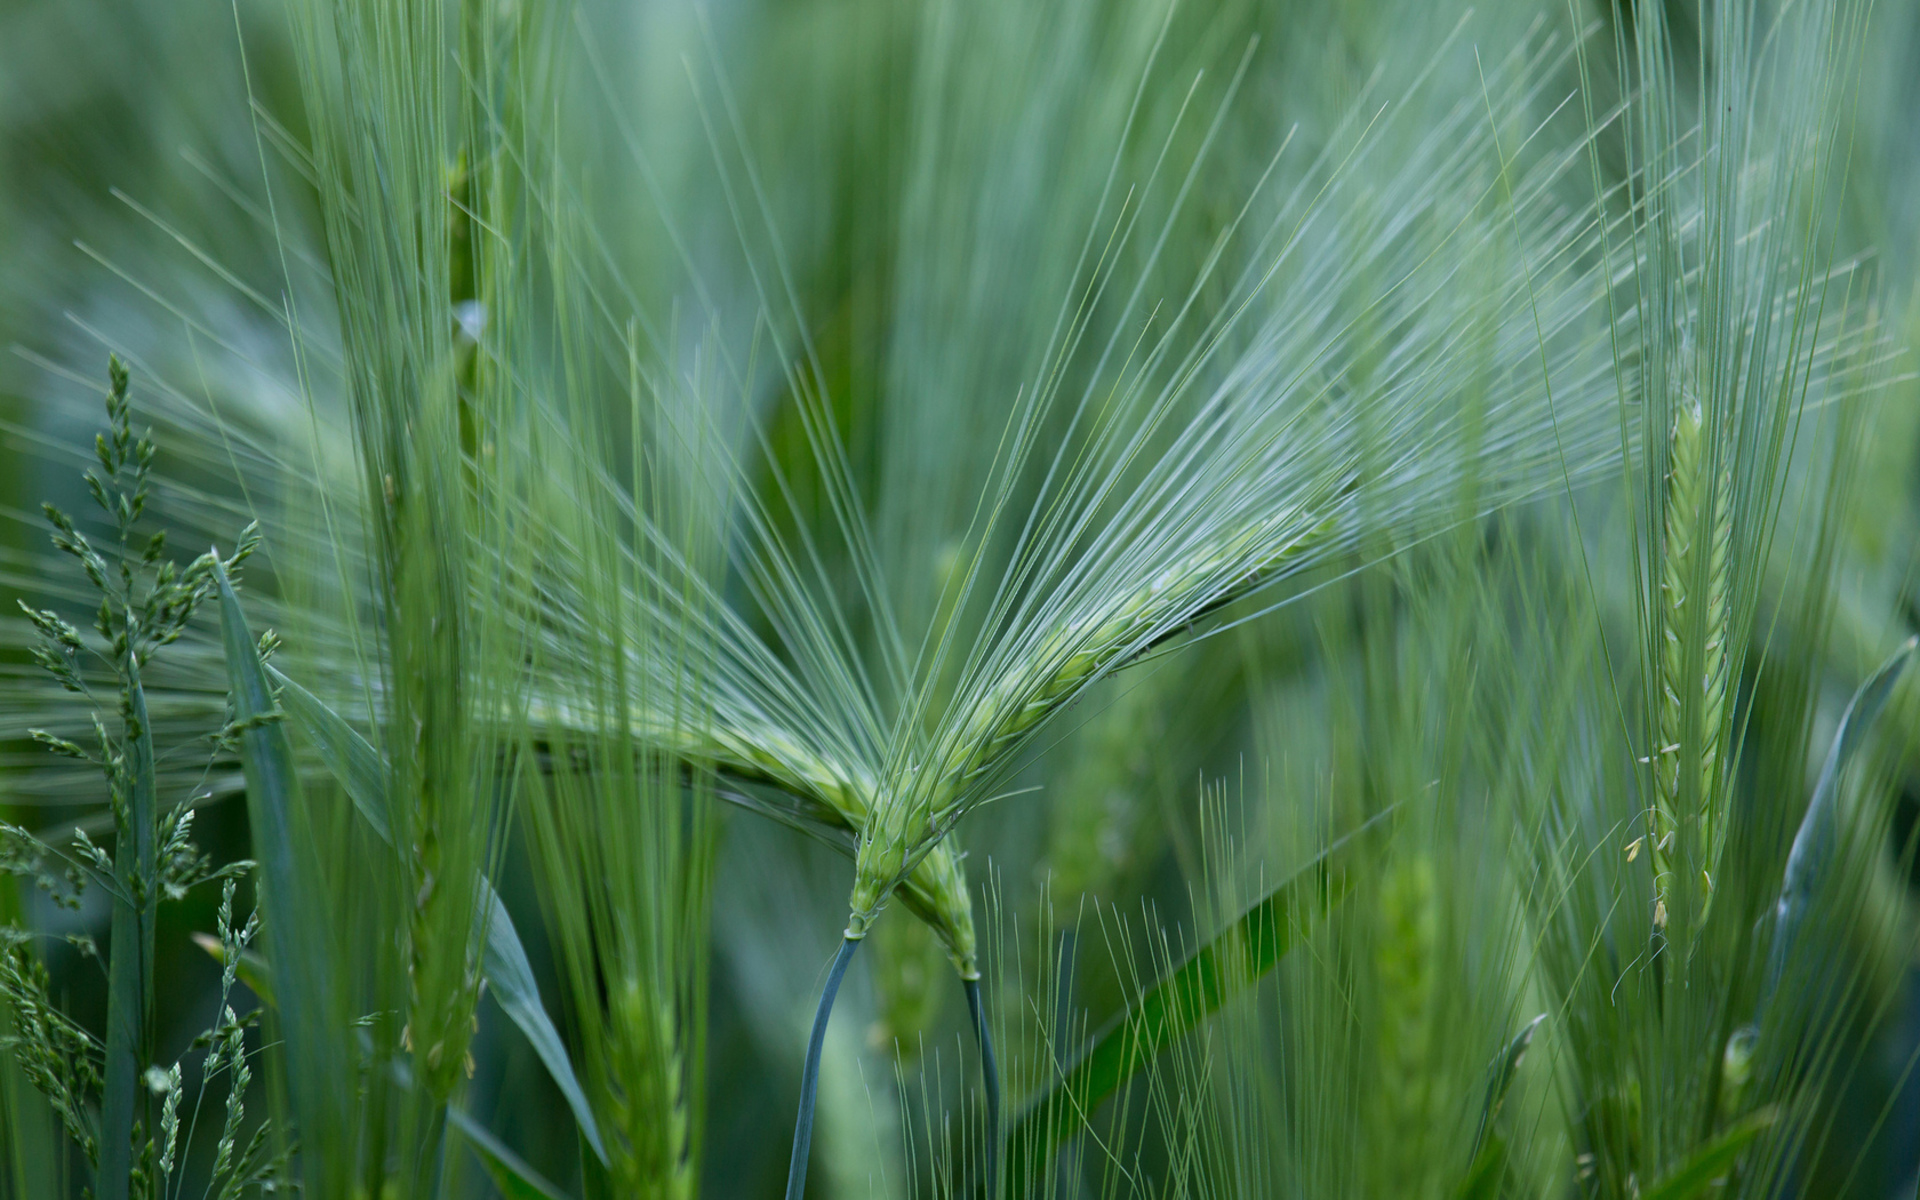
(1693, 660)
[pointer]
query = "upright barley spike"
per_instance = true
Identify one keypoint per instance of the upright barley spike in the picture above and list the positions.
(1693, 657)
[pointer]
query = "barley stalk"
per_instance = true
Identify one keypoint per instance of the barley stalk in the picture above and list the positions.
(901, 835)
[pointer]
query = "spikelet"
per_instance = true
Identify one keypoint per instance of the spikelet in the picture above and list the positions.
(1691, 681)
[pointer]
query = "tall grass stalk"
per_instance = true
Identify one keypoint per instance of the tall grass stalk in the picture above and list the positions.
(407, 160)
(624, 838)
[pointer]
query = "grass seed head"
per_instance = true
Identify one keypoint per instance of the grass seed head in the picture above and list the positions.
(909, 820)
(1694, 655)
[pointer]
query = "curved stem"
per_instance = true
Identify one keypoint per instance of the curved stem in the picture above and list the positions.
(810, 1075)
(990, 1072)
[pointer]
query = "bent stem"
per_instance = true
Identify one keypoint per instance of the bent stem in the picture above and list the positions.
(990, 1074)
(810, 1075)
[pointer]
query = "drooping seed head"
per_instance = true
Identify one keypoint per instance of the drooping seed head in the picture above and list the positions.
(909, 819)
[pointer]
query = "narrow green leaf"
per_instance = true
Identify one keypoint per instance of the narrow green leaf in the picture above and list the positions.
(349, 758)
(1505, 1068)
(509, 1172)
(1230, 962)
(1489, 1168)
(1487, 1164)
(1818, 835)
(357, 767)
(518, 995)
(1711, 1161)
(294, 942)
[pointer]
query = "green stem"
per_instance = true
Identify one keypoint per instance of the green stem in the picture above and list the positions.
(130, 977)
(123, 1036)
(810, 1075)
(990, 1073)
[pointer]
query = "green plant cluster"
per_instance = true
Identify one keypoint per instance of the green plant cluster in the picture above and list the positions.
(1351, 566)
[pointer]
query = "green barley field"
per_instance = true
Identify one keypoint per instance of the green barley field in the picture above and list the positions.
(960, 599)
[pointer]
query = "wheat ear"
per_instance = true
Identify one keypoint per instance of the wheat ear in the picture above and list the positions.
(1693, 655)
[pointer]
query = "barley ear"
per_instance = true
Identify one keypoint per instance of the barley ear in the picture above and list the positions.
(1693, 661)
(935, 888)
(936, 892)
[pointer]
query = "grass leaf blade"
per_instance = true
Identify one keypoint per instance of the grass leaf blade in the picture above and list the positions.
(1489, 1170)
(1711, 1161)
(352, 761)
(1505, 1068)
(509, 1172)
(518, 995)
(1487, 1165)
(1233, 960)
(272, 785)
(1814, 843)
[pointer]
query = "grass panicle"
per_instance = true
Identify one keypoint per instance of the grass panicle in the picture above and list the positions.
(147, 601)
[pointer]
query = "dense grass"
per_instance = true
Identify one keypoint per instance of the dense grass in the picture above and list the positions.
(1349, 566)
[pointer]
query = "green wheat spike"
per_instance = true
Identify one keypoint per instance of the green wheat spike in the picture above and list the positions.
(1691, 682)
